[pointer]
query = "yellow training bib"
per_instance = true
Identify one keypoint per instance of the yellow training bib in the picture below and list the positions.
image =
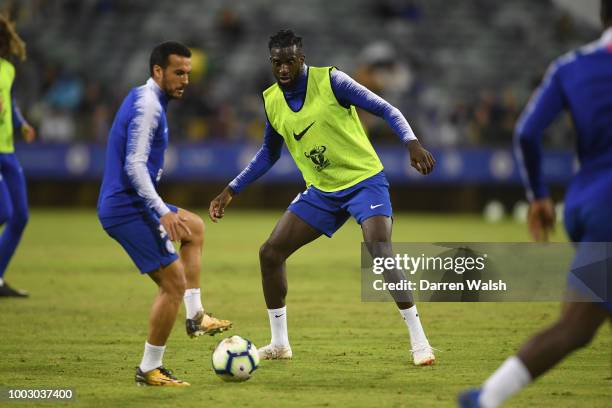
(326, 140)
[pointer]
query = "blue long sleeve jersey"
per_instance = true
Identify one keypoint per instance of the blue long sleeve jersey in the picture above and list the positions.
(348, 92)
(581, 82)
(135, 156)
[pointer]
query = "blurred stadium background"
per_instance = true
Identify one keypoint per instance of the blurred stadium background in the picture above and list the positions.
(460, 72)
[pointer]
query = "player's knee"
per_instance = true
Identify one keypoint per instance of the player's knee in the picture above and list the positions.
(199, 228)
(269, 254)
(196, 229)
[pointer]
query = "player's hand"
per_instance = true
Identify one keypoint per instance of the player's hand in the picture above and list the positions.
(28, 133)
(216, 211)
(420, 158)
(175, 226)
(541, 219)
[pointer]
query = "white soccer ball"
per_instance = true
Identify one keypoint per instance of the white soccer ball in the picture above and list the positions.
(235, 359)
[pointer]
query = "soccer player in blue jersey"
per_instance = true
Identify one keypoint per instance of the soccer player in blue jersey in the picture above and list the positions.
(13, 196)
(131, 211)
(312, 111)
(581, 82)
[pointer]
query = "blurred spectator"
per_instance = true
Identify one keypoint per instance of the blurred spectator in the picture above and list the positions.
(435, 122)
(57, 126)
(65, 92)
(195, 110)
(105, 6)
(229, 25)
(564, 28)
(469, 87)
(384, 74)
(100, 123)
(409, 10)
(94, 113)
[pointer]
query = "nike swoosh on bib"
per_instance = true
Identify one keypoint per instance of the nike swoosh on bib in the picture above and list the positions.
(303, 132)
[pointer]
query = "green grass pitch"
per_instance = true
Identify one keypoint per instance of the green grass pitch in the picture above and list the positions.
(85, 324)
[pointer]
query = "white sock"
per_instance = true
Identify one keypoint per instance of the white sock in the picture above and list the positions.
(415, 330)
(152, 357)
(510, 378)
(278, 326)
(1, 282)
(193, 302)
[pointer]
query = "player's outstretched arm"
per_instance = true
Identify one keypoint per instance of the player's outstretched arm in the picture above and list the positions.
(350, 92)
(420, 158)
(216, 210)
(263, 161)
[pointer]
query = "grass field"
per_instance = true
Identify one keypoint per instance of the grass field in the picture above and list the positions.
(85, 324)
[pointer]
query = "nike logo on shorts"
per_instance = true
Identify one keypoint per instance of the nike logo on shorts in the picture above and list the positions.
(375, 206)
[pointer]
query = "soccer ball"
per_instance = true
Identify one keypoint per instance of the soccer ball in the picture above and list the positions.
(235, 359)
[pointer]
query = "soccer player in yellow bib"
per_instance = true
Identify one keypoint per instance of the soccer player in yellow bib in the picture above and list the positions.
(312, 111)
(13, 196)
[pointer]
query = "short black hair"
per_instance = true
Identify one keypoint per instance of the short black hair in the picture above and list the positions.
(606, 12)
(161, 52)
(284, 38)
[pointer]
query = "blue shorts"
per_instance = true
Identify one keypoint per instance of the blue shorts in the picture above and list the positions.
(327, 212)
(591, 273)
(144, 240)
